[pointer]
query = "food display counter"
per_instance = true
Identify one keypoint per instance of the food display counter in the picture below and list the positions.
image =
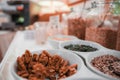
(18, 47)
(66, 40)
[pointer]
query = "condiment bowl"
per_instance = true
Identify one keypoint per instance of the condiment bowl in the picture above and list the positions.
(55, 40)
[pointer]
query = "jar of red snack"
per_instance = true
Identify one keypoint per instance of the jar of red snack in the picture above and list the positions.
(76, 27)
(76, 23)
(118, 37)
(104, 28)
(105, 36)
(104, 33)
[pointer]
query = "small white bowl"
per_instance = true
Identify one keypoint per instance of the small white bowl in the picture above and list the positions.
(91, 56)
(54, 41)
(81, 42)
(72, 58)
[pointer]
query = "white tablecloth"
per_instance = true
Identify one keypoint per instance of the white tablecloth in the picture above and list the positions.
(19, 45)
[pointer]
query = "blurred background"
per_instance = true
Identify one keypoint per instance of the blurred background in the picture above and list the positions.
(21, 13)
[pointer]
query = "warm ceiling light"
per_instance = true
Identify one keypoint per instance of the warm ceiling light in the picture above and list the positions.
(52, 6)
(54, 3)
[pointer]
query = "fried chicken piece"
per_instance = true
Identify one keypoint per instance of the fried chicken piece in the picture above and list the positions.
(23, 74)
(27, 57)
(44, 58)
(72, 69)
(35, 57)
(39, 70)
(51, 73)
(20, 64)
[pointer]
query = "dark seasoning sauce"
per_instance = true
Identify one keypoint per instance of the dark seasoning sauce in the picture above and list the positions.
(80, 48)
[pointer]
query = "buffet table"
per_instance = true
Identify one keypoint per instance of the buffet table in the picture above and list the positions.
(20, 44)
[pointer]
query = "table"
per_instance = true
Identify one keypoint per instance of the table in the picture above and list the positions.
(19, 45)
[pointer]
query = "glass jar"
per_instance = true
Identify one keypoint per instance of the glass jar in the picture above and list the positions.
(118, 37)
(41, 32)
(76, 25)
(103, 28)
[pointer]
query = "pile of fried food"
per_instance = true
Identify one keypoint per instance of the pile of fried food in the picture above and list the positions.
(44, 66)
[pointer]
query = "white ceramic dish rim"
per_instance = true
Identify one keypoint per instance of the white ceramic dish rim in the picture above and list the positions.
(82, 54)
(91, 56)
(62, 36)
(59, 52)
